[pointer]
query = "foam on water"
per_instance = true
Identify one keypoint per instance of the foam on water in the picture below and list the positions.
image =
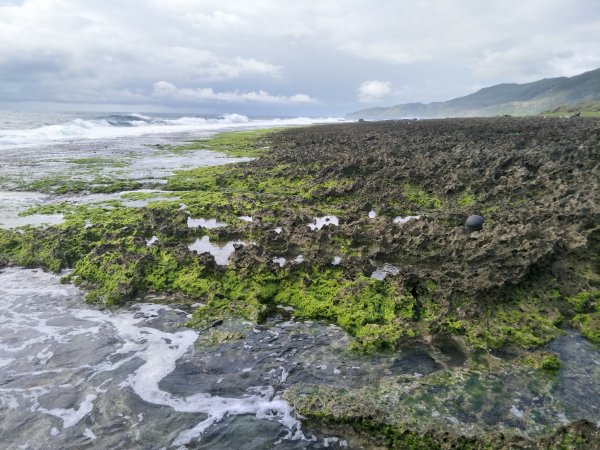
(71, 416)
(160, 351)
(35, 309)
(135, 126)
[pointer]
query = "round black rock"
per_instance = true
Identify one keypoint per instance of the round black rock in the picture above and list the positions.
(474, 222)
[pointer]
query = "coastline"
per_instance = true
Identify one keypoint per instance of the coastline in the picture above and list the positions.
(492, 298)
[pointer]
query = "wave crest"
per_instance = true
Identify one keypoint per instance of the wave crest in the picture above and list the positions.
(134, 125)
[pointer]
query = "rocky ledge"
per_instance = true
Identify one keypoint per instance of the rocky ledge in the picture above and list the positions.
(363, 225)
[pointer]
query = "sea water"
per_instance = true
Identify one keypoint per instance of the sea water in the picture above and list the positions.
(72, 376)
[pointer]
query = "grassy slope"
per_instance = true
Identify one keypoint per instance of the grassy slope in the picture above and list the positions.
(590, 109)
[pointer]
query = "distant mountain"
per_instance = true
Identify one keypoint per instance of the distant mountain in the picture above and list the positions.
(508, 98)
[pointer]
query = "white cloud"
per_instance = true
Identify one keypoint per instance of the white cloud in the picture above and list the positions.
(164, 89)
(57, 50)
(237, 68)
(374, 90)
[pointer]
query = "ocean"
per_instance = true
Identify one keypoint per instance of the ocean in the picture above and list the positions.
(75, 377)
(45, 128)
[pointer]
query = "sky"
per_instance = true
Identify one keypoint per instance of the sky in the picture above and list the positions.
(282, 57)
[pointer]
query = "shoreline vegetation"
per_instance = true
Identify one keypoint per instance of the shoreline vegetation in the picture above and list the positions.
(400, 192)
(590, 109)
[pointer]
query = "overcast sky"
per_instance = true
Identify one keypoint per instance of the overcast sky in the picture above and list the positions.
(282, 57)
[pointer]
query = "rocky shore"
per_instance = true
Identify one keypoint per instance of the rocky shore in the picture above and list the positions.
(362, 225)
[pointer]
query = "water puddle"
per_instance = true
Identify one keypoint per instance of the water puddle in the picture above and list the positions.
(71, 376)
(382, 272)
(320, 222)
(145, 158)
(404, 219)
(164, 165)
(74, 377)
(131, 199)
(13, 203)
(221, 253)
(205, 223)
(280, 261)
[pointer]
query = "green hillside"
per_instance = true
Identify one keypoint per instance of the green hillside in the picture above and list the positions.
(509, 98)
(591, 109)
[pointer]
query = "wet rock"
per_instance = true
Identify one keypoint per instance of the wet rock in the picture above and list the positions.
(419, 362)
(474, 222)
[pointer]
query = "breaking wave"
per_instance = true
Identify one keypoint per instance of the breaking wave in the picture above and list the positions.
(132, 125)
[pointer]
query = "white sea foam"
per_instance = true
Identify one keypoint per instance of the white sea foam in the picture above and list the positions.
(6, 361)
(136, 340)
(103, 128)
(71, 416)
(90, 434)
(160, 351)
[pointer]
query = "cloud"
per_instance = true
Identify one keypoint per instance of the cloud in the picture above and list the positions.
(238, 67)
(164, 89)
(55, 50)
(374, 90)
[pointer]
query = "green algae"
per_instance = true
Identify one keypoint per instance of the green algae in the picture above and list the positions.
(421, 198)
(97, 185)
(467, 198)
(92, 162)
(586, 306)
(240, 144)
(528, 321)
(543, 360)
(105, 245)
